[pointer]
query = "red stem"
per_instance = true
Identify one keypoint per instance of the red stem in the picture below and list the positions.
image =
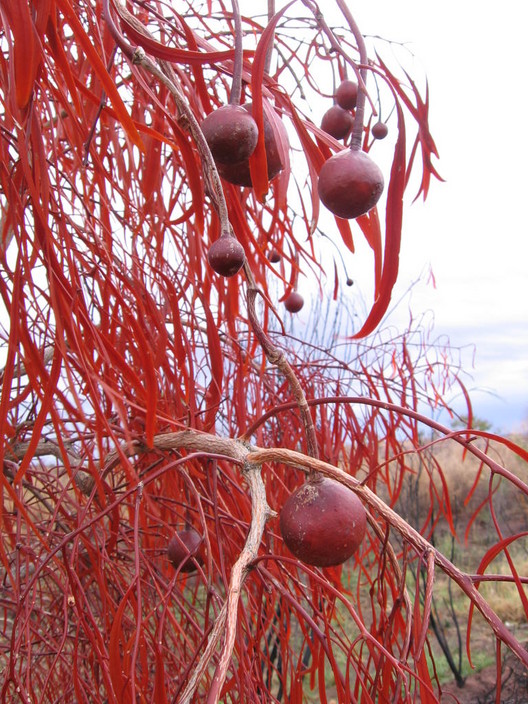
(457, 436)
(127, 49)
(236, 86)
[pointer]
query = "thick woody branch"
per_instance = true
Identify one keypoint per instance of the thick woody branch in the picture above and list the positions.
(260, 512)
(227, 618)
(192, 440)
(243, 453)
(412, 536)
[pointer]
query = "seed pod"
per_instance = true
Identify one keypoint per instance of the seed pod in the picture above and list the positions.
(323, 522)
(183, 550)
(350, 183)
(346, 94)
(294, 302)
(337, 122)
(231, 133)
(226, 256)
(239, 173)
(379, 130)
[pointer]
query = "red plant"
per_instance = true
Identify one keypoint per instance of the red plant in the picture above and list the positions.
(142, 391)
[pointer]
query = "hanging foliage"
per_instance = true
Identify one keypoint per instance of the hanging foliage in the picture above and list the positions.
(181, 352)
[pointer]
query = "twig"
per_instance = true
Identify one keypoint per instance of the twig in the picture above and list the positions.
(277, 358)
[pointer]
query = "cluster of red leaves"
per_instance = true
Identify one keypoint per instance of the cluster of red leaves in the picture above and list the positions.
(118, 331)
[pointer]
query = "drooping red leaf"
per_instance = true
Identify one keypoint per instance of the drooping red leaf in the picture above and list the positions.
(24, 47)
(258, 162)
(168, 53)
(115, 645)
(370, 226)
(393, 230)
(100, 69)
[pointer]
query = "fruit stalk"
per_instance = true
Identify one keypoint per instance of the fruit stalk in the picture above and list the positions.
(236, 85)
(277, 358)
(357, 129)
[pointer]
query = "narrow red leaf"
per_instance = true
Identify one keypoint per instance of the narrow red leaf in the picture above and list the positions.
(102, 73)
(25, 48)
(174, 54)
(393, 228)
(114, 651)
(214, 390)
(258, 162)
(370, 226)
(61, 59)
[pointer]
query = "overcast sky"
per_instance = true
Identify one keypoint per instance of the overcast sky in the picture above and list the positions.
(473, 228)
(472, 231)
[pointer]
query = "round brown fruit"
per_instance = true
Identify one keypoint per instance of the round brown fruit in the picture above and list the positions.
(239, 174)
(294, 302)
(350, 184)
(379, 130)
(231, 134)
(323, 523)
(337, 122)
(183, 550)
(346, 94)
(274, 256)
(226, 256)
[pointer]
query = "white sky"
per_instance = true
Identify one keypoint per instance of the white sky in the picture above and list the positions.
(473, 229)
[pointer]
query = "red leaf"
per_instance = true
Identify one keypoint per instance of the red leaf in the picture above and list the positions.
(370, 226)
(174, 54)
(114, 658)
(61, 60)
(214, 390)
(25, 48)
(159, 694)
(100, 69)
(424, 139)
(393, 228)
(258, 162)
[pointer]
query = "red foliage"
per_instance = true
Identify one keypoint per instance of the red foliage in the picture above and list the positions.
(143, 393)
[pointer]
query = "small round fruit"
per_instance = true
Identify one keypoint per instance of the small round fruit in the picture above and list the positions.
(294, 302)
(350, 184)
(349, 281)
(337, 122)
(323, 523)
(231, 134)
(226, 256)
(274, 256)
(346, 94)
(239, 173)
(183, 550)
(379, 130)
